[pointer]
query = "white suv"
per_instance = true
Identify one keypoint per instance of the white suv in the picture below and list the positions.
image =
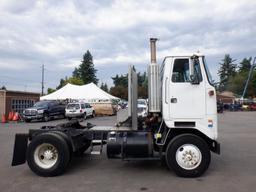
(79, 110)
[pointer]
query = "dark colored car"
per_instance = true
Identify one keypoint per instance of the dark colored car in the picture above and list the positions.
(220, 107)
(235, 107)
(44, 110)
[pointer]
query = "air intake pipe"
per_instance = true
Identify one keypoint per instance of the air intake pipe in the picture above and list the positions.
(154, 91)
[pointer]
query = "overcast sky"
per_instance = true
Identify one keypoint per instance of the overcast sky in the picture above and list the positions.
(58, 32)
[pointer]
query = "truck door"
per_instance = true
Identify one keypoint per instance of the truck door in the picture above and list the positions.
(187, 100)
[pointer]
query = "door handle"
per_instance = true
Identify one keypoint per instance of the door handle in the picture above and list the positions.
(166, 92)
(173, 100)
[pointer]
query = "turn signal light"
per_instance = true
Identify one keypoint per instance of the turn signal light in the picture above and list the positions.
(211, 93)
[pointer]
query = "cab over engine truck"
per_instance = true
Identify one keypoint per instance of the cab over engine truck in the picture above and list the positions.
(181, 126)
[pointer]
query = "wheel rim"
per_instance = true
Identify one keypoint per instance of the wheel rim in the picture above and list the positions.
(46, 118)
(188, 156)
(46, 155)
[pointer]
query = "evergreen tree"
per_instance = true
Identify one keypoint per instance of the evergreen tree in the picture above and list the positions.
(62, 84)
(76, 73)
(3, 88)
(104, 87)
(50, 90)
(226, 71)
(121, 83)
(245, 65)
(86, 71)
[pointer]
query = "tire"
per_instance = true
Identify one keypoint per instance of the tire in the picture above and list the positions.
(37, 159)
(46, 117)
(188, 155)
(93, 114)
(27, 120)
(69, 118)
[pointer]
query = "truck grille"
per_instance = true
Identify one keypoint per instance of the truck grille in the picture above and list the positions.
(30, 112)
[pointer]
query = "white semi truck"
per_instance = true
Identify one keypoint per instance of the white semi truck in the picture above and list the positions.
(181, 126)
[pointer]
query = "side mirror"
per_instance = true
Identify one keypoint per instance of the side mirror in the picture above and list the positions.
(194, 79)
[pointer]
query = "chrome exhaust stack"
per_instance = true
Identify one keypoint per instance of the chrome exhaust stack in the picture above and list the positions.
(154, 90)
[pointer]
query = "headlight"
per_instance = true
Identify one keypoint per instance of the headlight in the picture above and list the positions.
(40, 111)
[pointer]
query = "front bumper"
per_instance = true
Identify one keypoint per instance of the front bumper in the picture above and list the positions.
(74, 114)
(31, 117)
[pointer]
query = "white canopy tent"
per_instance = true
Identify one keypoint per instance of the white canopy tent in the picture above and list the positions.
(89, 93)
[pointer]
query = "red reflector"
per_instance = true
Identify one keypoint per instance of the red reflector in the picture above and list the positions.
(211, 93)
(81, 111)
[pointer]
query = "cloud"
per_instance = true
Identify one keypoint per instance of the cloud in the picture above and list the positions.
(116, 32)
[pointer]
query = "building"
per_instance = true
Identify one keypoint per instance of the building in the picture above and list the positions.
(226, 97)
(16, 101)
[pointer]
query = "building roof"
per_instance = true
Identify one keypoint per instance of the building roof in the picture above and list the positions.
(20, 92)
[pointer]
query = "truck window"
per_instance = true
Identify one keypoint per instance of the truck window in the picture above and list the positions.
(197, 69)
(180, 73)
(83, 106)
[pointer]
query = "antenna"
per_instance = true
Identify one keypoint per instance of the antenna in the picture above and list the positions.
(42, 93)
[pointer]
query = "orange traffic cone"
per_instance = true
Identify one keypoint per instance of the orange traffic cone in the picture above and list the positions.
(15, 116)
(3, 120)
(10, 116)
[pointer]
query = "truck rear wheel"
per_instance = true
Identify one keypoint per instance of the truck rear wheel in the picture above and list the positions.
(188, 155)
(48, 154)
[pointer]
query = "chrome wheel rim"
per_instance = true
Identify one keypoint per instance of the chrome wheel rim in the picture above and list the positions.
(188, 156)
(46, 155)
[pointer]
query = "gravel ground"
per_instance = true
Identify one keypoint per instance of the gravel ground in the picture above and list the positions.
(234, 170)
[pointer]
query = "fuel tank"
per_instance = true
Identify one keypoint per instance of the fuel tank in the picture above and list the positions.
(129, 144)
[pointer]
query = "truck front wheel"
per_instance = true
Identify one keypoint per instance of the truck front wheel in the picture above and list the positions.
(48, 154)
(188, 155)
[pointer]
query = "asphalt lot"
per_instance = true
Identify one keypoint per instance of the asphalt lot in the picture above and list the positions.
(234, 170)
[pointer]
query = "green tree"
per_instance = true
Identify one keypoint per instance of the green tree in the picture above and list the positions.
(50, 90)
(104, 87)
(71, 80)
(76, 73)
(119, 91)
(121, 84)
(226, 71)
(245, 65)
(86, 71)
(237, 83)
(74, 81)
(3, 88)
(120, 80)
(62, 83)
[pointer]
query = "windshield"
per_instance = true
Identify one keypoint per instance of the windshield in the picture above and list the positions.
(208, 72)
(73, 106)
(41, 104)
(141, 102)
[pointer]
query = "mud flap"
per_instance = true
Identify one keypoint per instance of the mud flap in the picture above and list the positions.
(20, 149)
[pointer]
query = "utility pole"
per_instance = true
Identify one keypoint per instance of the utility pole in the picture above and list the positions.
(249, 77)
(42, 80)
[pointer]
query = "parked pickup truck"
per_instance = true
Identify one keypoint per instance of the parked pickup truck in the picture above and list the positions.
(44, 110)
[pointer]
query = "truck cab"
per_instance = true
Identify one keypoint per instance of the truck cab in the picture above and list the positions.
(188, 95)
